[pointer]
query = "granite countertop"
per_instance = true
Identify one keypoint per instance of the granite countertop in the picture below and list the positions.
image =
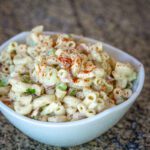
(124, 24)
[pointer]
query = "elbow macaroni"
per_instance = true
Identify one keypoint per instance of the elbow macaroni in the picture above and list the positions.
(43, 100)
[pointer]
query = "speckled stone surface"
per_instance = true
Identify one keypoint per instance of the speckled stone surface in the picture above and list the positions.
(124, 24)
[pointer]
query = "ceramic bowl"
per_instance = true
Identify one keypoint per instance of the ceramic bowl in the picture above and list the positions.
(77, 132)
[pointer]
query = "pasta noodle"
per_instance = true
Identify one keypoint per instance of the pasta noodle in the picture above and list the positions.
(43, 100)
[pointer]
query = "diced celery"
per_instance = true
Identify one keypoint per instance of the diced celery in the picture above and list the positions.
(51, 52)
(62, 86)
(73, 92)
(30, 91)
(2, 83)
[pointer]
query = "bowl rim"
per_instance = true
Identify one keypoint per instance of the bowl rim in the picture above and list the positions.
(131, 100)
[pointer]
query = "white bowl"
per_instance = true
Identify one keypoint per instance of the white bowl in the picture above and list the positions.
(82, 131)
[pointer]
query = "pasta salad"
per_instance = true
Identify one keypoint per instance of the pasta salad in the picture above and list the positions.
(59, 78)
